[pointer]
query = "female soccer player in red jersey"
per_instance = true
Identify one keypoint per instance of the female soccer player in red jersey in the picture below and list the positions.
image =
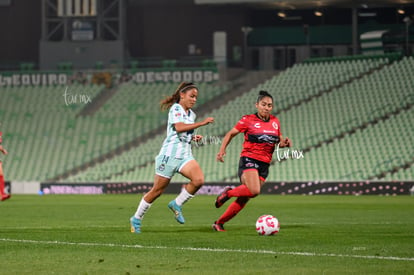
(3, 195)
(261, 135)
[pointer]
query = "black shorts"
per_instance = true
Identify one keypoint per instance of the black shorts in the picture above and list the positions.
(246, 163)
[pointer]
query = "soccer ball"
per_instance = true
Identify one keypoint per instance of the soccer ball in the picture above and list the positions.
(267, 225)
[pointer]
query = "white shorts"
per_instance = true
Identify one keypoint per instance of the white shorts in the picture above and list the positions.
(166, 166)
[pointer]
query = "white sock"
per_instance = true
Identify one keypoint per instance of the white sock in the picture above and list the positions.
(142, 209)
(183, 197)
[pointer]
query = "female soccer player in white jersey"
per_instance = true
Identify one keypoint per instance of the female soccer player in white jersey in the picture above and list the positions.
(175, 154)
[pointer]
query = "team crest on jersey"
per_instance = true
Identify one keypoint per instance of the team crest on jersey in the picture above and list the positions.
(274, 124)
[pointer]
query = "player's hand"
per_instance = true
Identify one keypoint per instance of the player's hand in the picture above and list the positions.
(208, 120)
(197, 138)
(4, 151)
(220, 156)
(287, 143)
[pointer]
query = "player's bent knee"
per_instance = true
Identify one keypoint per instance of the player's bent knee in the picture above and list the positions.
(255, 192)
(198, 181)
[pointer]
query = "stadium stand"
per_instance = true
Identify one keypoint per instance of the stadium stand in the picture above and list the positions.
(342, 124)
(37, 124)
(341, 110)
(337, 111)
(331, 115)
(141, 155)
(49, 138)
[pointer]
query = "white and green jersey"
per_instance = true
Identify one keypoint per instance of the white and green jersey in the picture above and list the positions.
(178, 145)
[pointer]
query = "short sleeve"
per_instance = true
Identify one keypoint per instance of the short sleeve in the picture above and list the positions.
(176, 114)
(242, 124)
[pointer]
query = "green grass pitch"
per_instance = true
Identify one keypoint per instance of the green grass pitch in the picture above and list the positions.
(89, 234)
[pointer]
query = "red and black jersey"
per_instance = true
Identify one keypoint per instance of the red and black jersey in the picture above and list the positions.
(260, 137)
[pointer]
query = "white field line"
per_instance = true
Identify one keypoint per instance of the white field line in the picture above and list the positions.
(307, 254)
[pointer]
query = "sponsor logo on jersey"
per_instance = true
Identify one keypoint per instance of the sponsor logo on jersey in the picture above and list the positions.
(272, 139)
(267, 138)
(270, 132)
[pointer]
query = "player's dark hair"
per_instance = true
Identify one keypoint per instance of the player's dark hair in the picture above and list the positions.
(167, 102)
(263, 94)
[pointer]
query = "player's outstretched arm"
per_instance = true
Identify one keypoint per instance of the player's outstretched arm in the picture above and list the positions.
(226, 141)
(182, 127)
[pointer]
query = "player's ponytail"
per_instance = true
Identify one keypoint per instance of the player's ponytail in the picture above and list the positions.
(167, 102)
(263, 94)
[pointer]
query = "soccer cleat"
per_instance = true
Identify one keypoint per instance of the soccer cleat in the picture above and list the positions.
(218, 227)
(135, 225)
(5, 197)
(178, 212)
(222, 197)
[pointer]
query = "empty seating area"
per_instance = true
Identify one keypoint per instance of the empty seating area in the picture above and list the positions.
(39, 130)
(349, 108)
(306, 80)
(46, 137)
(364, 154)
(321, 119)
(140, 103)
(351, 118)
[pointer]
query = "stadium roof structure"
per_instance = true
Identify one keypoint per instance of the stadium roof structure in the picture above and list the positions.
(309, 4)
